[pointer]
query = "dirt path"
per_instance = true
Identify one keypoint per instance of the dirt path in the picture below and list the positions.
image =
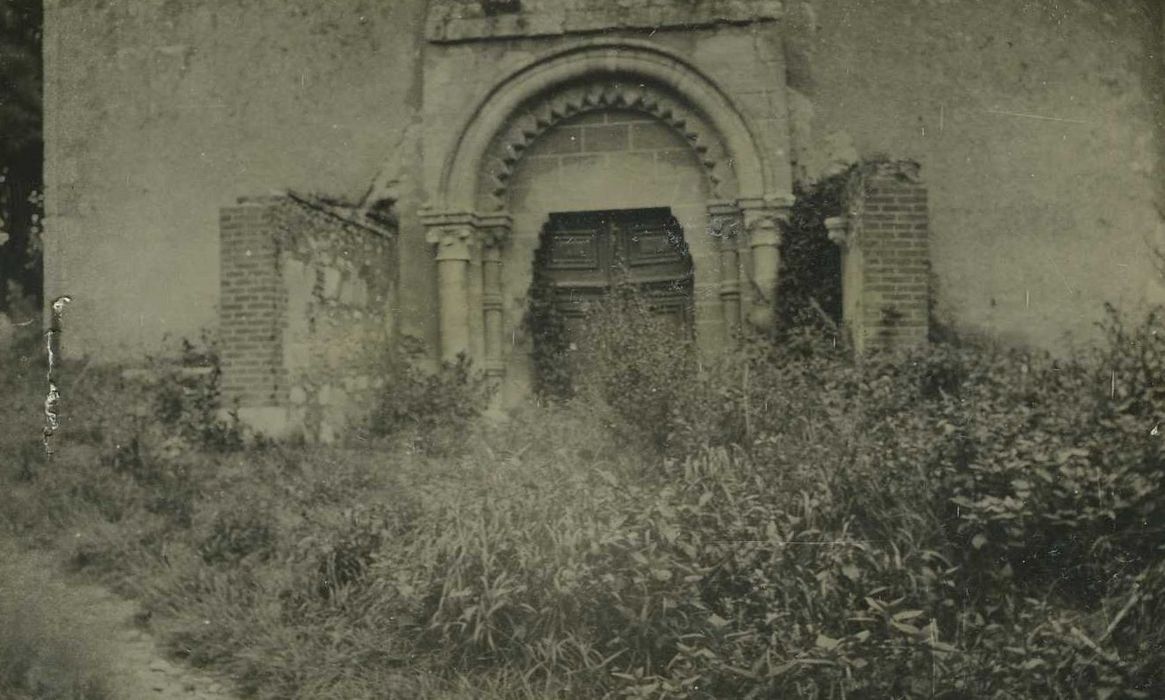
(98, 625)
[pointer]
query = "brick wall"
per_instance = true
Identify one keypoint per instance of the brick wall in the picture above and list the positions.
(251, 307)
(305, 315)
(887, 263)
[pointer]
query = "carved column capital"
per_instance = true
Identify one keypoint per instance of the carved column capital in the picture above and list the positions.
(764, 228)
(453, 242)
(451, 232)
(765, 220)
(725, 222)
(494, 230)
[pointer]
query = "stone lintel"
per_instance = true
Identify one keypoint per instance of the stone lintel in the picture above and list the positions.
(452, 21)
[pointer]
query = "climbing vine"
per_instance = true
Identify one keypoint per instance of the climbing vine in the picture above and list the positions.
(547, 330)
(809, 291)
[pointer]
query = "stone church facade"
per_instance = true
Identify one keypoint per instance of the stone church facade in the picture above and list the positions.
(314, 182)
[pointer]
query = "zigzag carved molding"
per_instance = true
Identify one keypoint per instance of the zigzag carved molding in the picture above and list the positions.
(548, 112)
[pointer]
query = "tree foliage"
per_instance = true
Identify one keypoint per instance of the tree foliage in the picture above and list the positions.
(21, 148)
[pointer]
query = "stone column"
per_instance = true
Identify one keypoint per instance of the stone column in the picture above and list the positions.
(495, 231)
(452, 234)
(765, 221)
(474, 293)
(851, 278)
(725, 224)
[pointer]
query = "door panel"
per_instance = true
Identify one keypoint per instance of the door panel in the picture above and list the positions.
(588, 253)
(574, 251)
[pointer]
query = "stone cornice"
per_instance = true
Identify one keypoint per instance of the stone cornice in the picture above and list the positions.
(452, 21)
(346, 216)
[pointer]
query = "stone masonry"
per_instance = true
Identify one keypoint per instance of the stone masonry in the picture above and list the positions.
(305, 315)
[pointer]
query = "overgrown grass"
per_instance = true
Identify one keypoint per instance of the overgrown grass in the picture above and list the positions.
(959, 522)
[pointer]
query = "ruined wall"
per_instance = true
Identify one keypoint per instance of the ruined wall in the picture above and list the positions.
(884, 237)
(158, 113)
(1034, 123)
(306, 316)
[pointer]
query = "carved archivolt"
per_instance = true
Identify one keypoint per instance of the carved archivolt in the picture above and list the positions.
(546, 112)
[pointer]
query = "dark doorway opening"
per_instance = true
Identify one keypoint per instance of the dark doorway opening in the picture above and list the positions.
(587, 260)
(585, 256)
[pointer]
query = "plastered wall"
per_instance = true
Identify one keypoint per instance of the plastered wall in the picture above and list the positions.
(1036, 125)
(159, 113)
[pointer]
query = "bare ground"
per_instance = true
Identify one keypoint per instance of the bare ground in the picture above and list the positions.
(96, 626)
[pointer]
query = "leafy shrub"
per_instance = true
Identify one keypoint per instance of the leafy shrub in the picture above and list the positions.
(23, 386)
(809, 288)
(633, 361)
(548, 335)
(430, 410)
(188, 401)
(235, 535)
(351, 550)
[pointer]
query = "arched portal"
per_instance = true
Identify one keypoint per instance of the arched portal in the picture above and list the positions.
(599, 127)
(626, 63)
(624, 167)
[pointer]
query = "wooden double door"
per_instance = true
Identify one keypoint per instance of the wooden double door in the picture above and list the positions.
(588, 255)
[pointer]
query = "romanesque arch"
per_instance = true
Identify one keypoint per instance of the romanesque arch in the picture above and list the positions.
(469, 223)
(625, 61)
(544, 112)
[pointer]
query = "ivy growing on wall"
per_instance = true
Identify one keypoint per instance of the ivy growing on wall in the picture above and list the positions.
(547, 331)
(809, 290)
